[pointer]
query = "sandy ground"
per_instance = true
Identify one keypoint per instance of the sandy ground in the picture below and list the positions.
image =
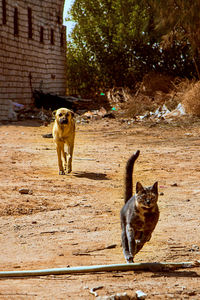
(73, 220)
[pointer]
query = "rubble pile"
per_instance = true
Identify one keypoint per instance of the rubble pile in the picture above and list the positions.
(156, 98)
(163, 113)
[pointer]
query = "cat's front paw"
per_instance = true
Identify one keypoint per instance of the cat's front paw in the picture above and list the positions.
(129, 259)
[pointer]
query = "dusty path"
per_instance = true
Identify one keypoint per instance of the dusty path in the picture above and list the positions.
(71, 220)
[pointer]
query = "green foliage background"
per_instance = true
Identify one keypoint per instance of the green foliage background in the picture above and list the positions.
(116, 42)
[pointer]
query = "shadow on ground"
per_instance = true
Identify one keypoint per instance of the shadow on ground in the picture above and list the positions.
(91, 175)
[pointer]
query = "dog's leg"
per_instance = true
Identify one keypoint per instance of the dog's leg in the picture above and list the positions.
(59, 149)
(65, 159)
(64, 155)
(69, 157)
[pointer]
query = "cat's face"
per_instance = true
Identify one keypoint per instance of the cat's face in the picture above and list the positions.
(146, 197)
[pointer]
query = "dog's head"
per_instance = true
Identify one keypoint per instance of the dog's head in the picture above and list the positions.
(63, 116)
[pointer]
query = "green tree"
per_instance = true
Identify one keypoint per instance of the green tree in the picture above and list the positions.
(114, 43)
(81, 70)
(106, 34)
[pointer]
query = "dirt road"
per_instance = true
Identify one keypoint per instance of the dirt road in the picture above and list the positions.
(73, 220)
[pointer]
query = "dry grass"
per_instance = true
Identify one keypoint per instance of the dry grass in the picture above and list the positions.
(153, 82)
(138, 105)
(191, 99)
(154, 91)
(127, 103)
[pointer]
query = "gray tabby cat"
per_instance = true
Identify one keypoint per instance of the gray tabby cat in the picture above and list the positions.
(139, 214)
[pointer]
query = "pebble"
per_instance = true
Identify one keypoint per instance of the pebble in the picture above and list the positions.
(25, 191)
(194, 248)
(118, 296)
(140, 294)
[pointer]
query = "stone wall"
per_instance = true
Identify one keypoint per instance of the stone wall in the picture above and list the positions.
(32, 49)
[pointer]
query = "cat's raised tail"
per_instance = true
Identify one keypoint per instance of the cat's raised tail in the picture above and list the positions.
(128, 192)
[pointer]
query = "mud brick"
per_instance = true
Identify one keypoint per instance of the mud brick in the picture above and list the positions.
(21, 55)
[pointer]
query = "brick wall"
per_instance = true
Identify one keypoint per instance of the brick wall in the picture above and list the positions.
(32, 49)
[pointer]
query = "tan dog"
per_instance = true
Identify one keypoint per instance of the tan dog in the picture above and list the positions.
(64, 133)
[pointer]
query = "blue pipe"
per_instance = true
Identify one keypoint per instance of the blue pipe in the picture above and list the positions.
(101, 268)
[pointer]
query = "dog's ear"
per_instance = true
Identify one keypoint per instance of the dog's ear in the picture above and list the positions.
(54, 113)
(72, 113)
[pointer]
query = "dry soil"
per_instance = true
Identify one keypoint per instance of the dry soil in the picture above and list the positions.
(73, 220)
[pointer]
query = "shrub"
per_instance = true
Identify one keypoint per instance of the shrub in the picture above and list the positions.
(191, 99)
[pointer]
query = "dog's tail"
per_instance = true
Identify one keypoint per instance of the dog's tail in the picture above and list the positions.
(129, 176)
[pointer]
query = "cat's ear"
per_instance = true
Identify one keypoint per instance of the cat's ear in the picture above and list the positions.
(139, 187)
(155, 187)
